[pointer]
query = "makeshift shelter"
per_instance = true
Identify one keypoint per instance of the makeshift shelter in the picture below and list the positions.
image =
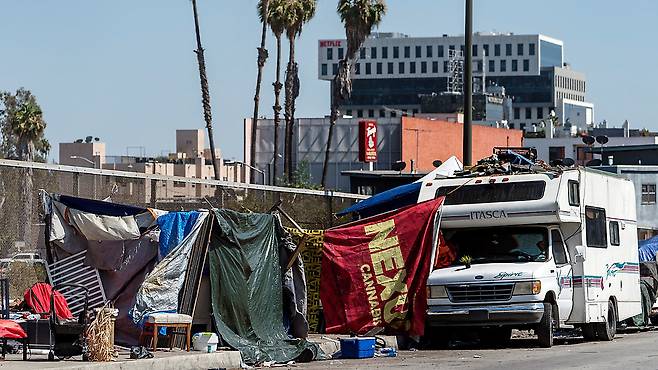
(147, 260)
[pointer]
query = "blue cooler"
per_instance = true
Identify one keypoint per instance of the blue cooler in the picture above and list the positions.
(357, 347)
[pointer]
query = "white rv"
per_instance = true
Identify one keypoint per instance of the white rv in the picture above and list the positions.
(536, 251)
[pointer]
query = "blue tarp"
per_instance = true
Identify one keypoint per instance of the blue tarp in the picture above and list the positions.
(648, 249)
(174, 227)
(389, 200)
(98, 207)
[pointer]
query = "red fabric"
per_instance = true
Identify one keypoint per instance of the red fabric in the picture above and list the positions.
(446, 253)
(39, 301)
(11, 330)
(374, 272)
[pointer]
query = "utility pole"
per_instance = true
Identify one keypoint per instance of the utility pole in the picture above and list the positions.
(205, 91)
(468, 86)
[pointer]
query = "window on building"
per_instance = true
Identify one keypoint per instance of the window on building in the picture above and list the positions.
(384, 52)
(324, 70)
(435, 67)
(341, 53)
(522, 126)
(648, 194)
(574, 192)
(334, 69)
(371, 113)
(362, 53)
(492, 66)
(348, 112)
(373, 53)
(440, 51)
(368, 69)
(582, 156)
(330, 53)
(412, 67)
(451, 47)
(357, 68)
(515, 65)
(614, 233)
(380, 68)
(497, 50)
(407, 51)
(401, 68)
(394, 114)
(528, 113)
(526, 65)
(419, 51)
(517, 113)
(423, 67)
(359, 113)
(540, 113)
(396, 52)
(382, 113)
(389, 68)
(429, 51)
(414, 112)
(559, 253)
(555, 153)
(478, 66)
(508, 49)
(519, 49)
(461, 48)
(511, 126)
(475, 50)
(531, 49)
(503, 65)
(485, 47)
(445, 66)
(595, 229)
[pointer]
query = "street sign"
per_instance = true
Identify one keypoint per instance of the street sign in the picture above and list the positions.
(368, 141)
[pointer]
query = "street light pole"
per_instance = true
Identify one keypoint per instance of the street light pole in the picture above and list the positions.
(93, 163)
(468, 86)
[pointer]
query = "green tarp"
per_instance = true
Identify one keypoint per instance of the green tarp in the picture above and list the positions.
(246, 286)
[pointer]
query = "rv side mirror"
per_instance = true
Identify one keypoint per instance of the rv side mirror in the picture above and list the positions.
(580, 253)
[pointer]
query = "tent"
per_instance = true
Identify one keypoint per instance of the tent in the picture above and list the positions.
(147, 260)
(648, 249)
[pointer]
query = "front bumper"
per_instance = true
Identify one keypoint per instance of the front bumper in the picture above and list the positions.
(509, 314)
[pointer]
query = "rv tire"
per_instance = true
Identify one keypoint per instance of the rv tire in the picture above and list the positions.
(606, 330)
(544, 329)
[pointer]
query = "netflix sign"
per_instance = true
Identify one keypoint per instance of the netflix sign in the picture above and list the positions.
(368, 141)
(330, 43)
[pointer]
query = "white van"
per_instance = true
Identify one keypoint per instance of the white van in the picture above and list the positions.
(536, 251)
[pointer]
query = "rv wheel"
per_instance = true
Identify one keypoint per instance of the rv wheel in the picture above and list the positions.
(545, 328)
(606, 330)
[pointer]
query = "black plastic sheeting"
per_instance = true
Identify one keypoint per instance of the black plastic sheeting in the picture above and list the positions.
(247, 289)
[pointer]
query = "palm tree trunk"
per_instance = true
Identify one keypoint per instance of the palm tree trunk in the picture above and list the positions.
(262, 58)
(28, 204)
(277, 109)
(332, 123)
(291, 75)
(205, 91)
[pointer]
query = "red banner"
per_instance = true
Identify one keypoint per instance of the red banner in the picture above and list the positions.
(374, 272)
(367, 141)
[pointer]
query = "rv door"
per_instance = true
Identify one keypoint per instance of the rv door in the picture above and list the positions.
(564, 274)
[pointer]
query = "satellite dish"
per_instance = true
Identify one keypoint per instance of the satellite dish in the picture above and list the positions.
(602, 139)
(568, 162)
(437, 163)
(593, 163)
(588, 140)
(399, 166)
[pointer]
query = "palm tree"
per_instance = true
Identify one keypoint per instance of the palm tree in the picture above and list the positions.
(205, 91)
(275, 19)
(297, 14)
(359, 18)
(262, 58)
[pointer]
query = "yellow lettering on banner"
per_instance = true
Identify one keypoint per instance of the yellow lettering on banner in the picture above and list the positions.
(392, 285)
(391, 258)
(390, 308)
(381, 241)
(371, 292)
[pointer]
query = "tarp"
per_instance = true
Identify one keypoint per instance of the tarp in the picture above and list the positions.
(648, 249)
(374, 271)
(246, 286)
(38, 299)
(174, 227)
(398, 197)
(159, 292)
(99, 207)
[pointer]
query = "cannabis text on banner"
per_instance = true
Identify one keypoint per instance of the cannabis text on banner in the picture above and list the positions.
(374, 271)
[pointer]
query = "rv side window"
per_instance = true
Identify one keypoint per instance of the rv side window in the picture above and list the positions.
(595, 227)
(574, 193)
(559, 253)
(614, 233)
(492, 193)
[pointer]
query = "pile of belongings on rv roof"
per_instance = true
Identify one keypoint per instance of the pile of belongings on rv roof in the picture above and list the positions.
(512, 162)
(151, 261)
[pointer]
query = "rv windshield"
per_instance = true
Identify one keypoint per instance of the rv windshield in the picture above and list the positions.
(499, 244)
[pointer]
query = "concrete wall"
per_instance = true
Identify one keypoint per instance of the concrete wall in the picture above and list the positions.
(426, 140)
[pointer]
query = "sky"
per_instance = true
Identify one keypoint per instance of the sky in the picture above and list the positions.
(125, 71)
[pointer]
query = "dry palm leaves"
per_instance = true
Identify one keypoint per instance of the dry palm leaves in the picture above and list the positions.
(100, 335)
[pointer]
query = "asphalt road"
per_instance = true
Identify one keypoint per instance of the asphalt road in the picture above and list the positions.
(628, 351)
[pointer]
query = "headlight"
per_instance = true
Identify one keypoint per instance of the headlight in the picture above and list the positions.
(437, 291)
(527, 287)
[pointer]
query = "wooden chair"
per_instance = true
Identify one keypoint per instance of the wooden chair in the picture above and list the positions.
(173, 321)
